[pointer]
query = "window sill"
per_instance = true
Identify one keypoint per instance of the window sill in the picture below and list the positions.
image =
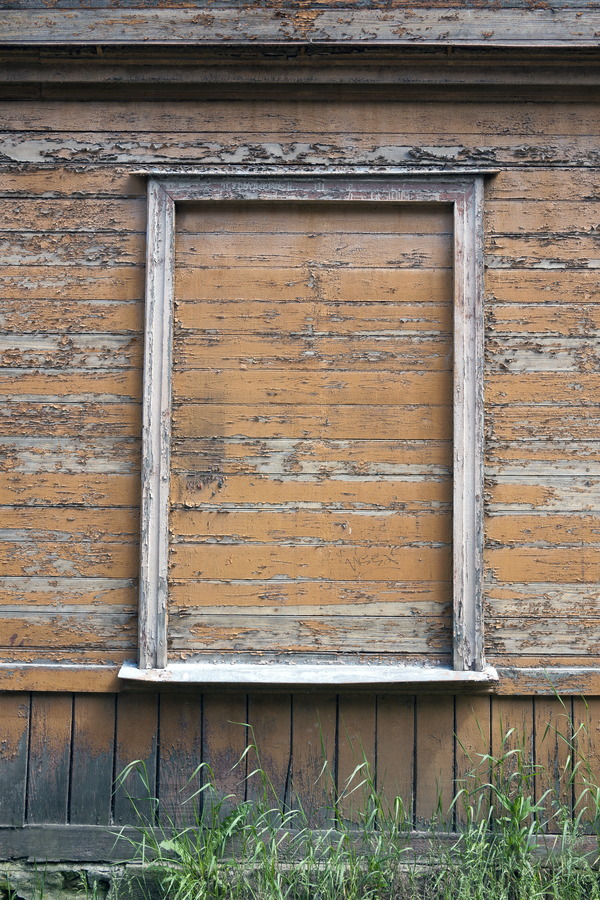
(300, 675)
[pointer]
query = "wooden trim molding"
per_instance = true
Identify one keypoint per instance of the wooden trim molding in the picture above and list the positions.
(464, 191)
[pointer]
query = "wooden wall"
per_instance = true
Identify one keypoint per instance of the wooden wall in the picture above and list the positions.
(60, 752)
(72, 288)
(72, 239)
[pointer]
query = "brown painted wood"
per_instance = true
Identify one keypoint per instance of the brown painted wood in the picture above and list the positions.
(434, 757)
(314, 762)
(357, 760)
(396, 754)
(472, 757)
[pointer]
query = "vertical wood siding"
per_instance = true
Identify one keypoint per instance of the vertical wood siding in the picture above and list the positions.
(56, 768)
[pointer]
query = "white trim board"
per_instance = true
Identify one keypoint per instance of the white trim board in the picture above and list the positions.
(464, 191)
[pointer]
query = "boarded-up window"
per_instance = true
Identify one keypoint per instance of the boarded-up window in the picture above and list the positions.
(311, 458)
(312, 352)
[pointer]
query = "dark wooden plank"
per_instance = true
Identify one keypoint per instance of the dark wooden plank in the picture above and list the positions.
(434, 758)
(136, 742)
(357, 760)
(92, 759)
(396, 753)
(49, 758)
(314, 720)
(180, 756)
(269, 720)
(586, 739)
(472, 746)
(552, 718)
(224, 735)
(14, 748)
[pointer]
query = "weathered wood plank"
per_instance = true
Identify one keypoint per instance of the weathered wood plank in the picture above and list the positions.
(472, 737)
(136, 739)
(91, 780)
(104, 593)
(547, 601)
(256, 562)
(26, 315)
(65, 183)
(300, 218)
(586, 728)
(326, 317)
(301, 147)
(542, 286)
(553, 756)
(321, 597)
(69, 557)
(555, 422)
(41, 214)
(179, 756)
(224, 735)
(543, 529)
(356, 739)
(319, 421)
(270, 733)
(347, 285)
(545, 458)
(48, 489)
(14, 751)
(271, 250)
(533, 564)
(306, 352)
(314, 762)
(364, 492)
(110, 351)
(434, 757)
(578, 389)
(78, 627)
(53, 419)
(396, 754)
(575, 116)
(329, 634)
(312, 527)
(49, 758)
(98, 457)
(80, 282)
(53, 384)
(543, 636)
(336, 388)
(58, 523)
(280, 456)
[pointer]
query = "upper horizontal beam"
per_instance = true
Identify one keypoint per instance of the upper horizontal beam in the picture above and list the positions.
(556, 25)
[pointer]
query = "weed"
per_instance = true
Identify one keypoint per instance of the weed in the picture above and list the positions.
(262, 850)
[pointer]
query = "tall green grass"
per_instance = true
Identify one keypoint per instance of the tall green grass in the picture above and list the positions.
(263, 850)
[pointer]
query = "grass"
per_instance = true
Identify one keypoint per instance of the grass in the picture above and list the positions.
(261, 850)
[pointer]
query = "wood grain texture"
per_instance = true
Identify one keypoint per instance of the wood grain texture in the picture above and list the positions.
(179, 758)
(434, 758)
(14, 752)
(92, 759)
(50, 751)
(505, 27)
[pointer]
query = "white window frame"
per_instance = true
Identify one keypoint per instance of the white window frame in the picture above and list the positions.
(464, 191)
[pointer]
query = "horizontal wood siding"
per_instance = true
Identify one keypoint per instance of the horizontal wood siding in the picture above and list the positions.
(249, 364)
(72, 236)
